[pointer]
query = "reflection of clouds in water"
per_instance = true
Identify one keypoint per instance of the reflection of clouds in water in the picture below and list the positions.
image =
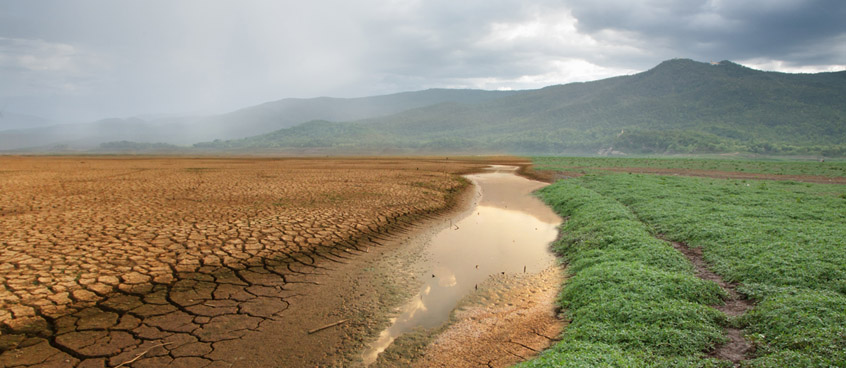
(446, 278)
(399, 324)
(386, 337)
(415, 305)
(448, 281)
(497, 169)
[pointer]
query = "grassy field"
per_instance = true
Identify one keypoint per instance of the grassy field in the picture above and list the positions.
(772, 166)
(633, 299)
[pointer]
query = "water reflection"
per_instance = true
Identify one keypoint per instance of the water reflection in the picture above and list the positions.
(508, 231)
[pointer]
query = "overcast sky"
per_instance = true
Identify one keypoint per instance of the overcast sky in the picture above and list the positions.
(84, 60)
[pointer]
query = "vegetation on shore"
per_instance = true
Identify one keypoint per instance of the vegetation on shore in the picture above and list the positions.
(632, 298)
(827, 168)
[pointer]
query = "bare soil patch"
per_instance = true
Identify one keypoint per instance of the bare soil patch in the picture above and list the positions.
(737, 349)
(192, 262)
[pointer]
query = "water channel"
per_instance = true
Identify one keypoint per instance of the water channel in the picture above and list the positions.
(507, 230)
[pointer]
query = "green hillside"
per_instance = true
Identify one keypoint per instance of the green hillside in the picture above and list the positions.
(680, 106)
(290, 112)
(246, 122)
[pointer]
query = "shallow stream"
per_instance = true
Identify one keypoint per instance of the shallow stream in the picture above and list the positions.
(507, 230)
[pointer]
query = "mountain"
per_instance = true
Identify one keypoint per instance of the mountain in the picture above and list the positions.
(290, 112)
(245, 122)
(679, 106)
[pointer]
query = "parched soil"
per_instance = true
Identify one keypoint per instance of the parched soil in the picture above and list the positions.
(181, 262)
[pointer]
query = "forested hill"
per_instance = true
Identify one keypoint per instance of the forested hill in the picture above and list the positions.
(679, 106)
(116, 134)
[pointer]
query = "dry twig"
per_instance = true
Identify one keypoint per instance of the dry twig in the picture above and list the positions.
(333, 324)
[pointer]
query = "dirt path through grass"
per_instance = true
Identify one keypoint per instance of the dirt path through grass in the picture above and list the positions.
(737, 348)
(780, 241)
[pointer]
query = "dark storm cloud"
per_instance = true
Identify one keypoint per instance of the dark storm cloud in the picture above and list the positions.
(799, 32)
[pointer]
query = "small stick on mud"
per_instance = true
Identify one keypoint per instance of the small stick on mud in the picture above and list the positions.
(333, 324)
(140, 355)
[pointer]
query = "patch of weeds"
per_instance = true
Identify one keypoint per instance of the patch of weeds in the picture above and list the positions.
(779, 167)
(632, 299)
(799, 328)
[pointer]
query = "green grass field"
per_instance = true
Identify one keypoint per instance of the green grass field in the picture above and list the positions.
(773, 167)
(633, 300)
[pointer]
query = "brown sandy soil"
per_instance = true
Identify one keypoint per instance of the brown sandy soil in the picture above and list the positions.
(198, 262)
(512, 319)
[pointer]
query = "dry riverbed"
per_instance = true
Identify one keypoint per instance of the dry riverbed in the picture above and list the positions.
(232, 262)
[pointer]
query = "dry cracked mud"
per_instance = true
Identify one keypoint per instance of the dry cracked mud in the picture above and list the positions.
(180, 262)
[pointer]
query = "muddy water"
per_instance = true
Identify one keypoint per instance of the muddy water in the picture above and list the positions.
(507, 230)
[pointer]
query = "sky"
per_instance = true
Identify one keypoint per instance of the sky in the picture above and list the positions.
(76, 60)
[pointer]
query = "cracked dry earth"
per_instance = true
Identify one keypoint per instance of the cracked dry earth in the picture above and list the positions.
(155, 262)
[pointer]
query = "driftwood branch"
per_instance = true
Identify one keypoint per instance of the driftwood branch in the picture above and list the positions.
(333, 324)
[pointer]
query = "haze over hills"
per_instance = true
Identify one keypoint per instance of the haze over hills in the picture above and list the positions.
(245, 122)
(680, 106)
(10, 120)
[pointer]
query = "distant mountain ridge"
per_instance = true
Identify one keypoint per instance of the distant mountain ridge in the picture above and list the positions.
(680, 106)
(245, 122)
